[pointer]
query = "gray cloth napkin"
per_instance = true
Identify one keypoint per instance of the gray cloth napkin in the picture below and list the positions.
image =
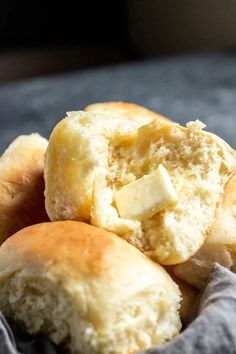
(213, 331)
(7, 340)
(14, 341)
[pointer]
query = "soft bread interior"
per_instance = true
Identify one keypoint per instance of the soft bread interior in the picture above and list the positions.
(107, 155)
(94, 294)
(195, 171)
(220, 244)
(43, 306)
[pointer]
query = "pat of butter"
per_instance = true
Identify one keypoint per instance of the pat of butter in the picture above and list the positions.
(146, 196)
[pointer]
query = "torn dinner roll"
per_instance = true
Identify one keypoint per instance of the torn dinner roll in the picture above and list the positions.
(86, 289)
(91, 157)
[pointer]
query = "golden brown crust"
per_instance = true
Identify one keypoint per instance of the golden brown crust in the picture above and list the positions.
(77, 245)
(125, 110)
(22, 184)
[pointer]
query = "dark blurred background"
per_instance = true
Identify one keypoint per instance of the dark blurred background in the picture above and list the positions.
(41, 38)
(176, 57)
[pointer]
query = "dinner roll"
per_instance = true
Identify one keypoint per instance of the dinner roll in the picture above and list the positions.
(157, 185)
(86, 289)
(220, 244)
(189, 297)
(22, 184)
(126, 110)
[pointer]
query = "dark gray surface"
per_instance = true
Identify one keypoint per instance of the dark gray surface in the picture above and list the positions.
(184, 88)
(212, 332)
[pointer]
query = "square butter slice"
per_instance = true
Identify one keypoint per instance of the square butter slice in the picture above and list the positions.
(146, 196)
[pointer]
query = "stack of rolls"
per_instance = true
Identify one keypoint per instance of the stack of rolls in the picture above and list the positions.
(110, 257)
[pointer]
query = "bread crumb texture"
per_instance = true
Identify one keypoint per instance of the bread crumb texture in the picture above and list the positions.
(90, 157)
(220, 244)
